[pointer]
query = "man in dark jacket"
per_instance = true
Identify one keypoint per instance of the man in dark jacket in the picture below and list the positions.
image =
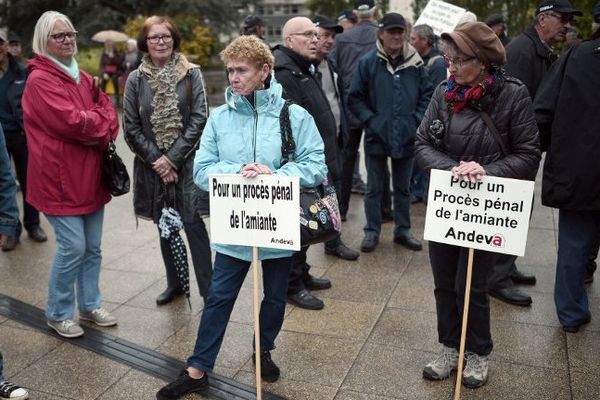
(422, 39)
(572, 171)
(12, 84)
(349, 48)
(529, 56)
(389, 95)
(295, 71)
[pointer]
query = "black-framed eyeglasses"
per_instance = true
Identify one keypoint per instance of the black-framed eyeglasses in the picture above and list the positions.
(307, 34)
(457, 61)
(564, 18)
(60, 37)
(157, 38)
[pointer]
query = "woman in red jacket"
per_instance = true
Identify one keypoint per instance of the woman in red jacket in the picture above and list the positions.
(67, 131)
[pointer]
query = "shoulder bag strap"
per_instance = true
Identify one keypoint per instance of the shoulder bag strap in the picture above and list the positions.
(288, 146)
(492, 128)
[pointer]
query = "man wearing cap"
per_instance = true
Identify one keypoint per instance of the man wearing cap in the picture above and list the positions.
(14, 46)
(498, 25)
(12, 84)
(422, 39)
(529, 57)
(254, 25)
(349, 47)
(389, 95)
(346, 19)
(295, 71)
(326, 74)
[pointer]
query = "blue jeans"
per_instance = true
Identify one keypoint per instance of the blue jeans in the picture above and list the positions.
(401, 173)
(228, 276)
(76, 264)
(1, 368)
(578, 232)
(9, 211)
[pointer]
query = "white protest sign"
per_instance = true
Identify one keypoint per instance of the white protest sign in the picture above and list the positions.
(441, 16)
(492, 214)
(261, 211)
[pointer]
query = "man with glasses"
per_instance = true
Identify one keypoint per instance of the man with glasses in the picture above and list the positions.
(295, 71)
(529, 57)
(12, 84)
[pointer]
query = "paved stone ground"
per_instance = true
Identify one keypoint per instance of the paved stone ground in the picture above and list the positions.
(369, 343)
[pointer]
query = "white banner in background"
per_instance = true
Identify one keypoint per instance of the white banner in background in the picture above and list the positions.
(262, 211)
(441, 16)
(492, 214)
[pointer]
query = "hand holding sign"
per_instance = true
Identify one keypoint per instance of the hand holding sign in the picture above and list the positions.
(255, 169)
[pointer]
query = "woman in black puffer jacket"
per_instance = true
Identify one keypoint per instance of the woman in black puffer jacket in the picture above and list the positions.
(453, 136)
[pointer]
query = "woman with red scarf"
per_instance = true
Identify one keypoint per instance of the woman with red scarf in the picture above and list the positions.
(454, 136)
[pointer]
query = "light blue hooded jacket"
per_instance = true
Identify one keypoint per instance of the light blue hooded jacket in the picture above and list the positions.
(237, 133)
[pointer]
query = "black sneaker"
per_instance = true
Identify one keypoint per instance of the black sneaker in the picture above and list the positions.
(269, 371)
(183, 385)
(13, 392)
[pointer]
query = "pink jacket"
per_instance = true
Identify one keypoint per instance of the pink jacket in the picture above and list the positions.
(66, 135)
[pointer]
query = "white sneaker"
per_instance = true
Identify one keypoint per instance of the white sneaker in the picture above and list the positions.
(99, 316)
(67, 328)
(443, 365)
(475, 373)
(13, 392)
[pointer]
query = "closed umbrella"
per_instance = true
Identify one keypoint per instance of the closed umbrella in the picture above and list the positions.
(109, 35)
(170, 224)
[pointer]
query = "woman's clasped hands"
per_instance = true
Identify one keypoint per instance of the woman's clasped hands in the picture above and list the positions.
(255, 169)
(469, 171)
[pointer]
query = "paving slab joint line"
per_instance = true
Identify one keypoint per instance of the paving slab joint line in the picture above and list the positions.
(128, 353)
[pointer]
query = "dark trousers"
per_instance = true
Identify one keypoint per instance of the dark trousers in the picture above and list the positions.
(298, 272)
(449, 266)
(506, 266)
(419, 182)
(227, 280)
(199, 247)
(578, 233)
(16, 144)
(349, 157)
(401, 173)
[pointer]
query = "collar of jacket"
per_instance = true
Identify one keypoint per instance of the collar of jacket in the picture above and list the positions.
(410, 57)
(263, 99)
(542, 49)
(45, 64)
(294, 59)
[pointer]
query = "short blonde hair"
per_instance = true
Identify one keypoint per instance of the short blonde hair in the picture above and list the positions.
(248, 48)
(43, 29)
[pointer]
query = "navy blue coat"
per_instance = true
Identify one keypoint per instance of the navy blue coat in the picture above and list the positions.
(390, 102)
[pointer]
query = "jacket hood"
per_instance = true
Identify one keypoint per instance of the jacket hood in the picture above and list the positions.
(410, 57)
(263, 99)
(48, 66)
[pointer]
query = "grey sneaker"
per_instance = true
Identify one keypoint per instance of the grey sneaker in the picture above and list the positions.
(476, 370)
(99, 316)
(67, 328)
(442, 366)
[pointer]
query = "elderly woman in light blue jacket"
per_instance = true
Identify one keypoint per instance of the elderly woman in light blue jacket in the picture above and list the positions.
(243, 136)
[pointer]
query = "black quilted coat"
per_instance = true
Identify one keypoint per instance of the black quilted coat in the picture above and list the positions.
(465, 136)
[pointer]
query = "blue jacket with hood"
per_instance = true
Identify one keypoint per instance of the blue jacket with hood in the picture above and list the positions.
(239, 133)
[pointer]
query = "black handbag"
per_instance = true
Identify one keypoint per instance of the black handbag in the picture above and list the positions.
(320, 219)
(114, 172)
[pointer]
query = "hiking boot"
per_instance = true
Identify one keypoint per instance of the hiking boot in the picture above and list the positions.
(269, 371)
(476, 370)
(99, 316)
(67, 328)
(443, 365)
(13, 392)
(183, 385)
